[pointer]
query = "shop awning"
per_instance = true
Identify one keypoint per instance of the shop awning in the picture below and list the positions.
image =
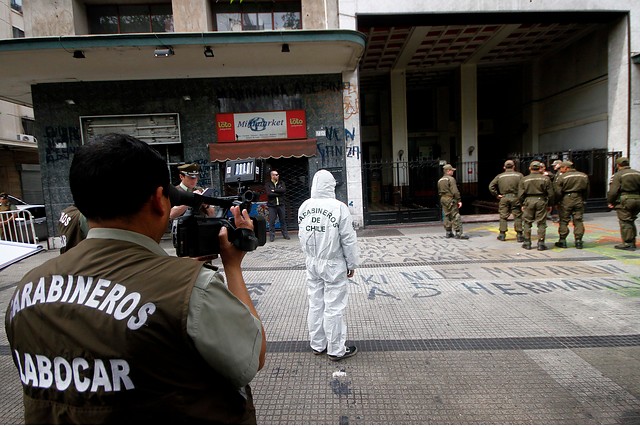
(262, 149)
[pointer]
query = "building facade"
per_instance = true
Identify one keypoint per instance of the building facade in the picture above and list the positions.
(381, 93)
(19, 165)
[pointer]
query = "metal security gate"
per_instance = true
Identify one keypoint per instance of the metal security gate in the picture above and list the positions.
(388, 203)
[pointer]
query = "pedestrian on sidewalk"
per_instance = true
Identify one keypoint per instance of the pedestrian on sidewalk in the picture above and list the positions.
(329, 243)
(505, 188)
(276, 191)
(571, 193)
(116, 331)
(624, 197)
(451, 203)
(535, 195)
(555, 209)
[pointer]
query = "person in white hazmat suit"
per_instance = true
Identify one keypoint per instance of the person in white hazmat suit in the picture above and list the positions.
(330, 245)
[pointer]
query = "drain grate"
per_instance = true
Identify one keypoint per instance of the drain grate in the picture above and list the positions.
(473, 344)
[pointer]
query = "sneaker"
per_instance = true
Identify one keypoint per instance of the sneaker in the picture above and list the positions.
(318, 353)
(351, 351)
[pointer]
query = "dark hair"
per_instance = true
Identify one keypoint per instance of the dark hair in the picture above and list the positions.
(99, 170)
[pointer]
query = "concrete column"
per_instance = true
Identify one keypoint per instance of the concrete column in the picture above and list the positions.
(618, 88)
(399, 133)
(351, 109)
(191, 16)
(468, 121)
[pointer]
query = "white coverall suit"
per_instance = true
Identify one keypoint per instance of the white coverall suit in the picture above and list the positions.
(329, 242)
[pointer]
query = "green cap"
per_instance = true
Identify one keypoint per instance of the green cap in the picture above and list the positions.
(191, 169)
(622, 161)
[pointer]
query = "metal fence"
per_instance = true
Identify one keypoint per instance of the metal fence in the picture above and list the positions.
(406, 191)
(18, 226)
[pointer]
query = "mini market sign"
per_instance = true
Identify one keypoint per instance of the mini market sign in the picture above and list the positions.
(265, 125)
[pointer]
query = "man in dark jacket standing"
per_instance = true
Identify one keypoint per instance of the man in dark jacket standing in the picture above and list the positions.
(276, 190)
(624, 197)
(572, 189)
(535, 195)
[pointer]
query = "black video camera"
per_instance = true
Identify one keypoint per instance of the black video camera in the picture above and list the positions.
(196, 235)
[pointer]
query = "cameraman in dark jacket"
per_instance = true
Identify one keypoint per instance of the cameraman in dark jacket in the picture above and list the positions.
(276, 190)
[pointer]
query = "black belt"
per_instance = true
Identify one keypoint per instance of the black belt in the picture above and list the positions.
(509, 194)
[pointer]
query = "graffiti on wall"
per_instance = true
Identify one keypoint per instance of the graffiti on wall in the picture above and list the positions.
(350, 100)
(60, 142)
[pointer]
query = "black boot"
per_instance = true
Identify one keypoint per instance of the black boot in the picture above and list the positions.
(526, 244)
(519, 237)
(579, 244)
(626, 246)
(502, 236)
(449, 234)
(541, 245)
(461, 236)
(562, 243)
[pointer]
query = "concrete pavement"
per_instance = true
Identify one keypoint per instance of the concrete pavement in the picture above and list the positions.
(449, 331)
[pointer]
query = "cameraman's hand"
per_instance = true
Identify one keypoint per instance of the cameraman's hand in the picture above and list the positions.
(230, 255)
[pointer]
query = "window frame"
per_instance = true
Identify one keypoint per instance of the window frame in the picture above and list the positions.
(257, 9)
(116, 12)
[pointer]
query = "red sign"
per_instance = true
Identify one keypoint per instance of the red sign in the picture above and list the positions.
(266, 125)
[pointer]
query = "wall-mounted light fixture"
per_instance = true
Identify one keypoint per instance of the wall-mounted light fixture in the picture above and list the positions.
(285, 48)
(186, 98)
(69, 102)
(78, 54)
(208, 52)
(163, 52)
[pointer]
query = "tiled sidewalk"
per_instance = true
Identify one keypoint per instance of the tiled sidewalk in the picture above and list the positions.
(449, 332)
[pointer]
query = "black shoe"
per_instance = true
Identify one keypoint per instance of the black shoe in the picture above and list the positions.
(449, 234)
(287, 237)
(502, 237)
(519, 238)
(562, 243)
(626, 247)
(272, 238)
(462, 236)
(526, 245)
(318, 353)
(542, 246)
(579, 244)
(351, 351)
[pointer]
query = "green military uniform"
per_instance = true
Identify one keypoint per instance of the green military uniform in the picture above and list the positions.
(571, 191)
(505, 187)
(535, 194)
(624, 195)
(72, 227)
(449, 200)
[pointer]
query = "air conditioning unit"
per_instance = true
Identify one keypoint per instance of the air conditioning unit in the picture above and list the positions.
(25, 138)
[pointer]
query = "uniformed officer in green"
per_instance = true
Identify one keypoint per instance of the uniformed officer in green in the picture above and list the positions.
(72, 227)
(505, 187)
(535, 195)
(571, 191)
(450, 202)
(624, 197)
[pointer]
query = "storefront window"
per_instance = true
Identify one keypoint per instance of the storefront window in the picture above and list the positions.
(257, 15)
(116, 19)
